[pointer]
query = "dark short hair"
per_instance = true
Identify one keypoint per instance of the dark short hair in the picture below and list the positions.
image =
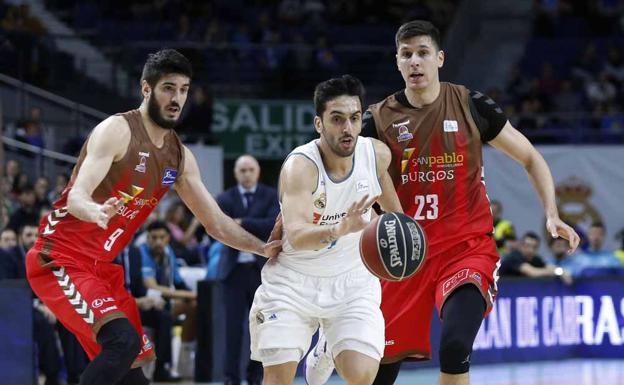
(335, 87)
(158, 225)
(418, 28)
(164, 62)
(598, 224)
(23, 227)
(531, 235)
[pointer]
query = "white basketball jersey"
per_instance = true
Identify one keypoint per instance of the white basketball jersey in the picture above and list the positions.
(330, 201)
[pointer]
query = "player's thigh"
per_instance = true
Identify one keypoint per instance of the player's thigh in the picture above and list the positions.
(477, 264)
(280, 328)
(281, 374)
(358, 325)
(74, 293)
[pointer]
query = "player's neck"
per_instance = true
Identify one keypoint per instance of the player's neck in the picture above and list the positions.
(155, 132)
(337, 167)
(420, 98)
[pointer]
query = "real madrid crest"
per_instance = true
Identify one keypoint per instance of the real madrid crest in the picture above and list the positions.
(573, 204)
(319, 203)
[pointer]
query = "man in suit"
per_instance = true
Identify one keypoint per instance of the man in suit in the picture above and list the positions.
(255, 207)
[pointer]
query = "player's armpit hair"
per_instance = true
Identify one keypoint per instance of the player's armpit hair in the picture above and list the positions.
(489, 116)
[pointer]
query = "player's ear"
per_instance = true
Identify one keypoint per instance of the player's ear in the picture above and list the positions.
(440, 58)
(145, 89)
(318, 124)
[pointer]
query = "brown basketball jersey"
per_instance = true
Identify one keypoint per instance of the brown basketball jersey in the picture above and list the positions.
(437, 165)
(140, 179)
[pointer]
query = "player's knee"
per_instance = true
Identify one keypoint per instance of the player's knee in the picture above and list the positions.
(275, 377)
(454, 354)
(360, 376)
(356, 368)
(120, 342)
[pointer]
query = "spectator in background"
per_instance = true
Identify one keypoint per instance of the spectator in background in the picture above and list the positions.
(615, 65)
(8, 239)
(161, 274)
(155, 315)
(4, 214)
(559, 249)
(41, 192)
(27, 211)
(182, 232)
(527, 263)
(593, 260)
(503, 228)
(12, 175)
(619, 253)
(197, 125)
(255, 207)
(59, 185)
(12, 266)
(600, 91)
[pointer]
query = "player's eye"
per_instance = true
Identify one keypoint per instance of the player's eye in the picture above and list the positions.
(423, 53)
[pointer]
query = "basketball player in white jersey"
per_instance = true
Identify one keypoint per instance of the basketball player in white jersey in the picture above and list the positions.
(326, 190)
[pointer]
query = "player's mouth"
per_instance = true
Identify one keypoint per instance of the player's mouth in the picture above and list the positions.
(416, 76)
(346, 142)
(173, 109)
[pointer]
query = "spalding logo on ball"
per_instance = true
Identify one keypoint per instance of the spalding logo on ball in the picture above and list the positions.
(393, 246)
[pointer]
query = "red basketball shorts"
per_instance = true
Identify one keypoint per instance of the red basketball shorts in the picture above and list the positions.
(84, 295)
(407, 306)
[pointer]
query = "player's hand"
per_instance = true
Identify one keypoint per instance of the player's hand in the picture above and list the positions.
(272, 248)
(278, 229)
(353, 221)
(558, 228)
(107, 210)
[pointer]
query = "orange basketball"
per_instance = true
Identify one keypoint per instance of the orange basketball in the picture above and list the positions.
(393, 246)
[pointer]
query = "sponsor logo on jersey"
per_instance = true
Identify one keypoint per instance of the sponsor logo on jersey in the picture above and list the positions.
(452, 282)
(106, 310)
(389, 342)
(169, 177)
(128, 197)
(98, 302)
(361, 185)
(404, 133)
(142, 161)
(450, 126)
(427, 176)
(447, 160)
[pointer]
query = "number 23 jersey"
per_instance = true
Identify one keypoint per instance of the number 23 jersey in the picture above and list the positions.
(437, 165)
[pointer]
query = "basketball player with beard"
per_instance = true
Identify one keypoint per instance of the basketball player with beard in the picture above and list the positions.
(125, 167)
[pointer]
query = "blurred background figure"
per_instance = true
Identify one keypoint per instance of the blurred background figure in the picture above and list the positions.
(255, 206)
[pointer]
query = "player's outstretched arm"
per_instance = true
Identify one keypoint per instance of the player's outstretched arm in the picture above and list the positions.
(517, 146)
(107, 143)
(388, 200)
(297, 184)
(220, 226)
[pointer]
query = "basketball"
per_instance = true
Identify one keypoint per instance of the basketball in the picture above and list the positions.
(393, 246)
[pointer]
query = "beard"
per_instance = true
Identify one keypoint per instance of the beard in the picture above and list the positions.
(334, 144)
(153, 110)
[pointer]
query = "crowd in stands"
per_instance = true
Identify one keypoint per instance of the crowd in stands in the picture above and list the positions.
(520, 258)
(569, 86)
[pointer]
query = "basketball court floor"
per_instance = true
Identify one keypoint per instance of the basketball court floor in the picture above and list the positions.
(568, 372)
